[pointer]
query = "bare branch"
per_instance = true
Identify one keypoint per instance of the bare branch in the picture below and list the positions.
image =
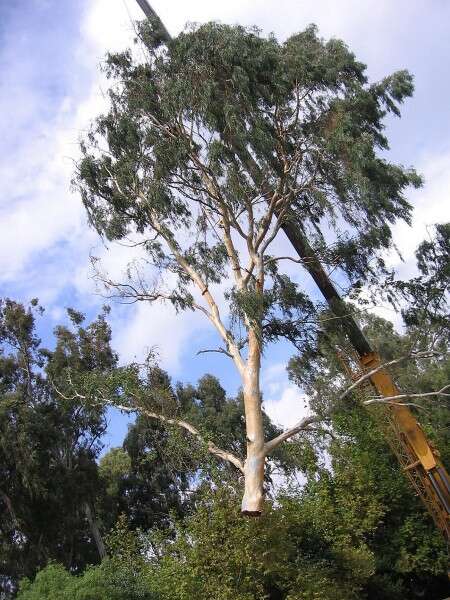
(64, 397)
(300, 426)
(212, 448)
(218, 350)
(214, 314)
(279, 222)
(394, 399)
(302, 261)
(231, 251)
(368, 375)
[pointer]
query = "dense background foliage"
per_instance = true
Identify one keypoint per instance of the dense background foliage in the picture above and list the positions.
(168, 513)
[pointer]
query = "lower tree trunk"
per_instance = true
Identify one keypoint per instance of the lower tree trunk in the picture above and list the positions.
(9, 506)
(253, 500)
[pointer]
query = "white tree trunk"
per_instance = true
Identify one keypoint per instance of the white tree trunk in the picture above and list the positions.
(253, 499)
(252, 502)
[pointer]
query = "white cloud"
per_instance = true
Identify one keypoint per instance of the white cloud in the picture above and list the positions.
(43, 232)
(142, 326)
(289, 408)
(431, 206)
(284, 402)
(107, 26)
(147, 326)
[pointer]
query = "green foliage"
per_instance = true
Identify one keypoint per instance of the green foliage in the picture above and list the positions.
(216, 554)
(49, 583)
(121, 576)
(244, 106)
(287, 553)
(409, 553)
(113, 467)
(154, 484)
(428, 294)
(281, 312)
(48, 443)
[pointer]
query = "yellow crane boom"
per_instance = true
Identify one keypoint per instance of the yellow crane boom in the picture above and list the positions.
(418, 458)
(420, 461)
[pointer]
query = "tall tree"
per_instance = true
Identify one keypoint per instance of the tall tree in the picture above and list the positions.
(48, 445)
(208, 147)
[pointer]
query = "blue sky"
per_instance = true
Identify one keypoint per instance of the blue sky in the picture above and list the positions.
(51, 88)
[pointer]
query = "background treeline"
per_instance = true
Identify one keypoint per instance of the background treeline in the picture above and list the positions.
(159, 518)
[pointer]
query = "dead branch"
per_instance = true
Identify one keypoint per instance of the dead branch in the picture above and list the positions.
(368, 375)
(394, 399)
(300, 426)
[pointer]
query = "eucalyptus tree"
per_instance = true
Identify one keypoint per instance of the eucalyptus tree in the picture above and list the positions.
(210, 145)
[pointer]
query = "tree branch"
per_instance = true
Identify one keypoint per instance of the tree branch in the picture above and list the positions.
(306, 421)
(300, 426)
(218, 350)
(393, 399)
(416, 355)
(214, 314)
(212, 448)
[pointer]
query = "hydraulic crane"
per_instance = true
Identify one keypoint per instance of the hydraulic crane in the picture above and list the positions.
(418, 458)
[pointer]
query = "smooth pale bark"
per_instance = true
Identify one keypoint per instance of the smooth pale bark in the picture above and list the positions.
(253, 499)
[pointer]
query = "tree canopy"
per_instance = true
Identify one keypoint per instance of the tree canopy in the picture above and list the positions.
(48, 446)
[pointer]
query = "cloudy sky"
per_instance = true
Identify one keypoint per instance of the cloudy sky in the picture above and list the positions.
(51, 88)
